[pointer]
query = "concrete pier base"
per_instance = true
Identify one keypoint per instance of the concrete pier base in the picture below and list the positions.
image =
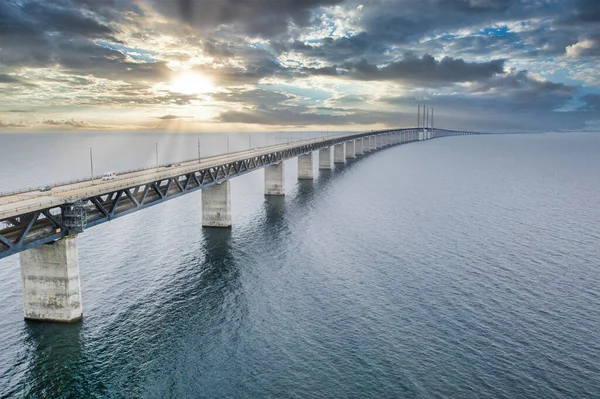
(365, 143)
(350, 146)
(339, 155)
(358, 147)
(216, 205)
(275, 179)
(325, 159)
(51, 287)
(305, 167)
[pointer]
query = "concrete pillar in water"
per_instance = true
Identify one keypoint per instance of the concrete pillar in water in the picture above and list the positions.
(51, 288)
(358, 147)
(366, 144)
(350, 146)
(216, 205)
(305, 166)
(338, 153)
(275, 179)
(325, 158)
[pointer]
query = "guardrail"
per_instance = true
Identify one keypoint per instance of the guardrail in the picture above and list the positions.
(88, 178)
(86, 194)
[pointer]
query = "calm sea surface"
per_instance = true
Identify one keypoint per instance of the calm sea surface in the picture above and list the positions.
(464, 267)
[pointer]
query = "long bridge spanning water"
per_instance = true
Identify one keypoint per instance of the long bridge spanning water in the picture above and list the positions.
(43, 226)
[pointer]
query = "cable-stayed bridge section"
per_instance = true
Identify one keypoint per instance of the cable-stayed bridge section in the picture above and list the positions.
(43, 226)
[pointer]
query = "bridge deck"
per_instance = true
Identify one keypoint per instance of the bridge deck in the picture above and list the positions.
(19, 203)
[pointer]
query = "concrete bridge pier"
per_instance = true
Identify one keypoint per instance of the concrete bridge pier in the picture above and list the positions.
(216, 205)
(275, 179)
(350, 149)
(325, 159)
(305, 166)
(372, 143)
(378, 141)
(51, 287)
(358, 147)
(366, 144)
(338, 153)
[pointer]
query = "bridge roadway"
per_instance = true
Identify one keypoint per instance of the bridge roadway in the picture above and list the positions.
(43, 226)
(16, 204)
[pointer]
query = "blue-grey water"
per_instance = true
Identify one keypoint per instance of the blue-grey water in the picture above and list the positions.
(465, 267)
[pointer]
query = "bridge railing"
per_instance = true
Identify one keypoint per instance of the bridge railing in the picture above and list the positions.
(88, 178)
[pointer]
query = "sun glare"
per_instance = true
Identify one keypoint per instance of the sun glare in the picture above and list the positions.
(191, 83)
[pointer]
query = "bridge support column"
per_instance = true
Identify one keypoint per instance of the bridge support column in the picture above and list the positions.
(51, 287)
(305, 166)
(358, 147)
(338, 153)
(377, 142)
(325, 158)
(275, 179)
(216, 205)
(350, 146)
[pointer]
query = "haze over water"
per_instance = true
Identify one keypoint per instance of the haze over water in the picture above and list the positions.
(463, 267)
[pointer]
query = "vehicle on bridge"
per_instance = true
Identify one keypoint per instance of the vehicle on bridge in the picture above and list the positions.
(109, 176)
(45, 188)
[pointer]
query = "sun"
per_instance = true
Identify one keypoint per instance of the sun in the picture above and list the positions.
(190, 83)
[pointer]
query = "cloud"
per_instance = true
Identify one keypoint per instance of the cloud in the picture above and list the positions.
(302, 117)
(587, 46)
(252, 18)
(592, 102)
(171, 117)
(415, 70)
(71, 123)
(6, 124)
(256, 97)
(10, 79)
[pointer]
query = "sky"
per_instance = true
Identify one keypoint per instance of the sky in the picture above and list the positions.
(273, 65)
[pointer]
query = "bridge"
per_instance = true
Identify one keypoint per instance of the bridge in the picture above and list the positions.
(43, 225)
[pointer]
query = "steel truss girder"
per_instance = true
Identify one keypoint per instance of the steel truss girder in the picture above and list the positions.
(40, 227)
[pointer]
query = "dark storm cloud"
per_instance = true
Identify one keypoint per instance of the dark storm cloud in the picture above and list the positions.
(255, 18)
(257, 97)
(61, 32)
(84, 57)
(512, 92)
(301, 117)
(14, 80)
(403, 21)
(514, 101)
(592, 103)
(31, 30)
(418, 70)
(581, 11)
(338, 50)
